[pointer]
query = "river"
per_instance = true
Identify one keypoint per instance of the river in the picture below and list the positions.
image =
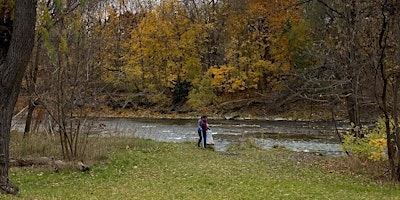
(295, 135)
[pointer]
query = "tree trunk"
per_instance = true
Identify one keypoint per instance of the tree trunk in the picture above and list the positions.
(396, 89)
(11, 73)
(32, 79)
(396, 130)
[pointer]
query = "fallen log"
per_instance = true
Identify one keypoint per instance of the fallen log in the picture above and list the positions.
(40, 161)
(27, 162)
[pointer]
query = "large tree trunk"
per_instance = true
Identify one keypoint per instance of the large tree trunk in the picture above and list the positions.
(396, 89)
(11, 73)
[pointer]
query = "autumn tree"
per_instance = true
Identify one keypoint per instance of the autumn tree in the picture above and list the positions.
(345, 39)
(265, 42)
(19, 30)
(121, 61)
(358, 62)
(163, 58)
(174, 45)
(387, 75)
(115, 32)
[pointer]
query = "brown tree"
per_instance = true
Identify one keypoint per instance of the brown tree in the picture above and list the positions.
(359, 63)
(13, 62)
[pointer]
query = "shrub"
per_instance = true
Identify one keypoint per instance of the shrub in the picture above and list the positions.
(201, 96)
(372, 146)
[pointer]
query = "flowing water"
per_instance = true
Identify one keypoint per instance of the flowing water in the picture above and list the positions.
(295, 135)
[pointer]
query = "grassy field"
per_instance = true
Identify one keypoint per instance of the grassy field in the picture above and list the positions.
(153, 170)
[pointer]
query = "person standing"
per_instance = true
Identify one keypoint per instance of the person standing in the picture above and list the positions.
(202, 131)
(204, 128)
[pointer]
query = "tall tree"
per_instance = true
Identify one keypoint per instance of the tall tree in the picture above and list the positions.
(344, 32)
(358, 42)
(13, 63)
(386, 78)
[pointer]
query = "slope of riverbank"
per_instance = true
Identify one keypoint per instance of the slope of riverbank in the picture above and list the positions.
(260, 112)
(254, 110)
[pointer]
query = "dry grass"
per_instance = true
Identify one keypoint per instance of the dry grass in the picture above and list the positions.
(371, 171)
(93, 149)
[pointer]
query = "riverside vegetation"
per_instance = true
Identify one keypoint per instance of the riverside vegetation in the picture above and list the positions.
(132, 168)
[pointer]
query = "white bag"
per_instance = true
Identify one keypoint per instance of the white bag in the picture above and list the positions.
(210, 139)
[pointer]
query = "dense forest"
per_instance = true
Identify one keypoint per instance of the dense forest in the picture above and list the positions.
(182, 56)
(166, 56)
(215, 56)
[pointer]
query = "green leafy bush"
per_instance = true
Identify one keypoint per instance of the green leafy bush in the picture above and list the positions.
(372, 146)
(201, 96)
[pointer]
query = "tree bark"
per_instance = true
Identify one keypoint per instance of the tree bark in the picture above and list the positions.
(11, 73)
(396, 89)
(31, 81)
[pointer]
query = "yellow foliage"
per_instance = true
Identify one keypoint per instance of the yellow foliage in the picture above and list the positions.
(221, 81)
(227, 79)
(377, 156)
(63, 45)
(282, 18)
(265, 40)
(237, 85)
(378, 143)
(249, 45)
(372, 146)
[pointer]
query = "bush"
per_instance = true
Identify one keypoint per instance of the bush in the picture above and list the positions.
(372, 146)
(201, 96)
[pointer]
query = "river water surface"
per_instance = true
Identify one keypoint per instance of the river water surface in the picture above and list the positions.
(295, 135)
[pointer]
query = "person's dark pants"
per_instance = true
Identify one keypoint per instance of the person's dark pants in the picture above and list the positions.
(202, 135)
(205, 138)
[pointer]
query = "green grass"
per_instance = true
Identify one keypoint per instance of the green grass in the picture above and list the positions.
(152, 170)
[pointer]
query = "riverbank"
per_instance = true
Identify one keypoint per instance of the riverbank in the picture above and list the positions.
(135, 168)
(296, 113)
(242, 110)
